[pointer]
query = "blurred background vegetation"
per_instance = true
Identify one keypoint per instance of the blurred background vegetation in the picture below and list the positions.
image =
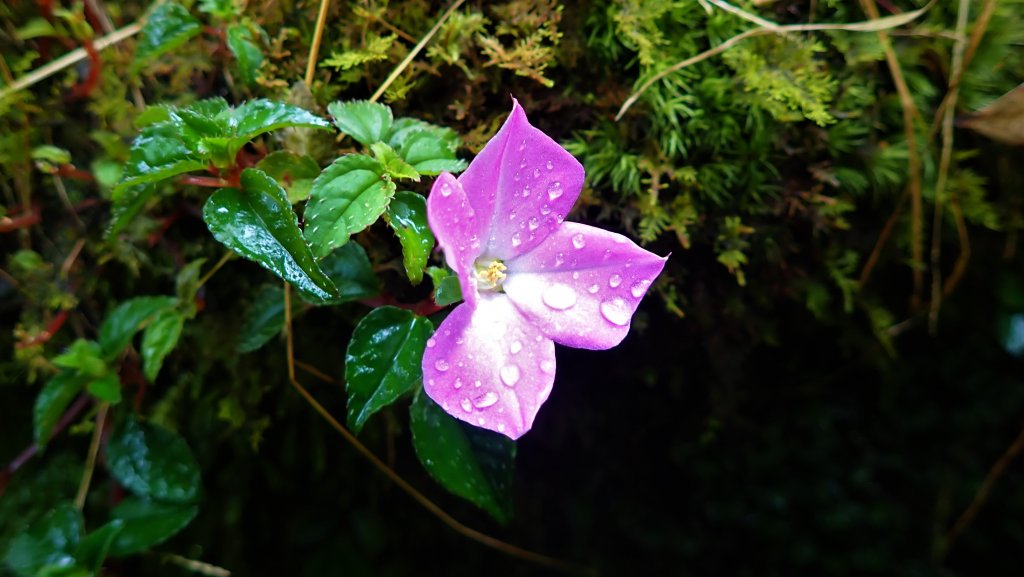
(827, 377)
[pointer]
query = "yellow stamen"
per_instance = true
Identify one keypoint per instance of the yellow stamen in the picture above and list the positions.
(491, 276)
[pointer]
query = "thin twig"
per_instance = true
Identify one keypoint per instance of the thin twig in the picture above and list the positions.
(415, 51)
(90, 461)
(747, 15)
(65, 267)
(195, 565)
(883, 238)
(965, 248)
(216, 267)
(318, 36)
(316, 372)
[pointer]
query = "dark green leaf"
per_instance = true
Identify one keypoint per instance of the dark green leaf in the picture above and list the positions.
(148, 523)
(393, 164)
(222, 9)
(429, 154)
(264, 319)
(186, 285)
(295, 172)
(49, 542)
(473, 463)
(53, 400)
(106, 388)
(352, 273)
(260, 225)
(382, 362)
(154, 114)
(84, 356)
(247, 53)
(152, 461)
(256, 117)
(160, 338)
(94, 547)
(407, 216)
(156, 157)
(446, 286)
(128, 204)
(347, 197)
(168, 27)
(365, 121)
(129, 318)
(403, 128)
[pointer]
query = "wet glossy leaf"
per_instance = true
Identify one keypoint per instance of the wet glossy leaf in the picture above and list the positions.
(53, 400)
(446, 286)
(222, 9)
(186, 285)
(156, 156)
(153, 462)
(129, 318)
(294, 172)
(264, 320)
(382, 362)
(259, 224)
(106, 388)
(160, 338)
(247, 53)
(365, 121)
(84, 356)
(93, 549)
(473, 463)
(403, 128)
(147, 523)
(169, 26)
(429, 154)
(347, 197)
(257, 117)
(126, 207)
(352, 273)
(393, 164)
(48, 543)
(407, 216)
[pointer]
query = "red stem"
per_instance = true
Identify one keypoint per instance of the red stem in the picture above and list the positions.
(12, 223)
(85, 88)
(31, 450)
(207, 181)
(47, 334)
(69, 171)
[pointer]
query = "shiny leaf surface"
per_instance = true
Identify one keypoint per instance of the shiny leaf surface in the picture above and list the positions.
(365, 121)
(152, 461)
(147, 523)
(347, 197)
(407, 216)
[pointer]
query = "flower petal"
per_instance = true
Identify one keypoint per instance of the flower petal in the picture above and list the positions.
(454, 222)
(582, 285)
(489, 367)
(522, 184)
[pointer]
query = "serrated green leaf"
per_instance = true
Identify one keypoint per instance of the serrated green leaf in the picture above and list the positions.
(159, 339)
(106, 388)
(154, 114)
(93, 549)
(393, 164)
(473, 463)
(49, 542)
(403, 128)
(223, 9)
(260, 225)
(128, 318)
(186, 285)
(153, 462)
(264, 319)
(156, 156)
(295, 172)
(84, 356)
(429, 154)
(148, 523)
(51, 154)
(351, 271)
(53, 400)
(382, 362)
(447, 289)
(169, 26)
(347, 197)
(259, 116)
(246, 52)
(128, 204)
(407, 216)
(365, 121)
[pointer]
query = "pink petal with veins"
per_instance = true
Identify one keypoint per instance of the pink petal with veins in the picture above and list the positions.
(489, 367)
(454, 222)
(581, 286)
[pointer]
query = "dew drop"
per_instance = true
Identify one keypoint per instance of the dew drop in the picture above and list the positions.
(536, 173)
(614, 280)
(638, 288)
(512, 215)
(488, 399)
(515, 347)
(458, 383)
(516, 176)
(522, 163)
(477, 384)
(559, 259)
(559, 297)
(446, 190)
(550, 165)
(575, 275)
(501, 427)
(467, 405)
(441, 365)
(555, 190)
(578, 241)
(516, 239)
(593, 289)
(481, 421)
(616, 311)
(526, 191)
(431, 342)
(547, 366)
(534, 223)
(509, 375)
(545, 210)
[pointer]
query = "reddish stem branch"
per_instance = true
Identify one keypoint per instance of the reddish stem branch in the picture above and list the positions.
(207, 181)
(92, 80)
(69, 171)
(47, 334)
(70, 415)
(12, 223)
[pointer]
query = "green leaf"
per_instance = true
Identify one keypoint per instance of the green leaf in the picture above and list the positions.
(393, 164)
(106, 388)
(48, 543)
(160, 338)
(93, 549)
(53, 400)
(260, 225)
(85, 356)
(186, 285)
(407, 216)
(129, 318)
(246, 52)
(264, 320)
(295, 172)
(152, 461)
(351, 271)
(129, 203)
(154, 157)
(256, 117)
(403, 128)
(147, 523)
(347, 197)
(222, 9)
(429, 154)
(382, 362)
(447, 289)
(365, 121)
(168, 27)
(473, 463)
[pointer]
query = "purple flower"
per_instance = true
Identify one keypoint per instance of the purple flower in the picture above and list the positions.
(528, 278)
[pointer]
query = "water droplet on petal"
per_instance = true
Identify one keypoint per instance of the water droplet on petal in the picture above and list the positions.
(548, 366)
(488, 399)
(534, 223)
(516, 176)
(578, 241)
(467, 405)
(639, 287)
(431, 342)
(446, 190)
(549, 165)
(575, 275)
(593, 289)
(481, 421)
(616, 311)
(501, 427)
(458, 383)
(522, 163)
(555, 190)
(509, 375)
(536, 173)
(477, 384)
(515, 347)
(559, 297)
(441, 365)
(614, 280)
(545, 210)
(516, 239)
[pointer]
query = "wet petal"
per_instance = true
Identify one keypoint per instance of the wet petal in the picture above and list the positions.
(582, 285)
(454, 222)
(522, 184)
(489, 367)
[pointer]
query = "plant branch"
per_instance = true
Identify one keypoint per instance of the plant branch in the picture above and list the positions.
(90, 461)
(318, 36)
